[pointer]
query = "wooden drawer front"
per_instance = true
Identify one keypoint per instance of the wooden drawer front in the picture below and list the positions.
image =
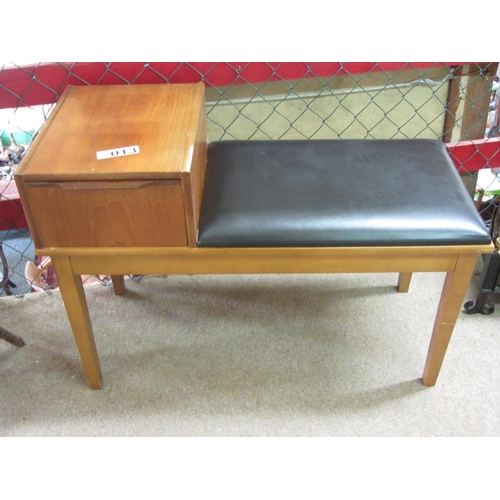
(109, 214)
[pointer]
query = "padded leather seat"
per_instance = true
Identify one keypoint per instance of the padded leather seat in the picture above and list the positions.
(335, 193)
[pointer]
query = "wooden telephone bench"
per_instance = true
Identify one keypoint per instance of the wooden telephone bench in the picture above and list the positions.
(121, 181)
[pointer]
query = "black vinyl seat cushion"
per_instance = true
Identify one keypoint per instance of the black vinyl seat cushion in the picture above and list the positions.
(331, 193)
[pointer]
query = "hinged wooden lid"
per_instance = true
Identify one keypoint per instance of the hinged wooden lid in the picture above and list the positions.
(159, 121)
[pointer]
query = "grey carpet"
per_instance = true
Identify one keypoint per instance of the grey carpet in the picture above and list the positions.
(317, 355)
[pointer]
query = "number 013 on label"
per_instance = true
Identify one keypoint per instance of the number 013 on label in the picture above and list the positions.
(114, 153)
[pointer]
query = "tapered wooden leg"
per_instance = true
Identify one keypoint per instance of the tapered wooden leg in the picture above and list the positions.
(404, 282)
(118, 284)
(73, 295)
(452, 296)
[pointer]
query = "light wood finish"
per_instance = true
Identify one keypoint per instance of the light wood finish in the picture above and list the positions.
(196, 262)
(264, 260)
(404, 282)
(138, 214)
(192, 180)
(109, 214)
(457, 261)
(118, 284)
(73, 295)
(91, 119)
(148, 199)
(451, 301)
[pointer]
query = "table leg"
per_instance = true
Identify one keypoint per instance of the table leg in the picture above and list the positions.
(73, 296)
(118, 284)
(452, 296)
(404, 282)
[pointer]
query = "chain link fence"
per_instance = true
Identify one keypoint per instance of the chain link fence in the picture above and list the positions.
(452, 102)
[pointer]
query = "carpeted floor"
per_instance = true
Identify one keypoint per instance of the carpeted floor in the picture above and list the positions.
(319, 355)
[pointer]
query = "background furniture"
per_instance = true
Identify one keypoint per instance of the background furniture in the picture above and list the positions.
(489, 282)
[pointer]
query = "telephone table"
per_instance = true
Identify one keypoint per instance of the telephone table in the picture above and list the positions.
(121, 181)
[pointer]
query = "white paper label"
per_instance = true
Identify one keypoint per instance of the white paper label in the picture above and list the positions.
(115, 153)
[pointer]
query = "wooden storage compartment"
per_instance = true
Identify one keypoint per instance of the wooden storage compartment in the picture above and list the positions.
(117, 166)
(109, 214)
